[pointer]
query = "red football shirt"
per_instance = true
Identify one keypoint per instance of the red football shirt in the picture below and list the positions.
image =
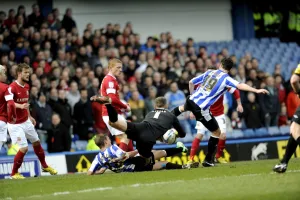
(110, 87)
(20, 94)
(3, 104)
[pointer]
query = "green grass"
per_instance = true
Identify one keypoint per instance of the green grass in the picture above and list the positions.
(239, 180)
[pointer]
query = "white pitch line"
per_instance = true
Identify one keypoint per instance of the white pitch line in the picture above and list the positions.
(140, 185)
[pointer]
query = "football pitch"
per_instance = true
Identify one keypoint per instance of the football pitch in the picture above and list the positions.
(238, 180)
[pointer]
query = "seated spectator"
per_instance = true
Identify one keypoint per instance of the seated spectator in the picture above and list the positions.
(150, 100)
(137, 106)
(59, 138)
(252, 112)
(73, 95)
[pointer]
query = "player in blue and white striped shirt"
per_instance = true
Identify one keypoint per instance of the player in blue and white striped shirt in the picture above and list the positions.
(213, 84)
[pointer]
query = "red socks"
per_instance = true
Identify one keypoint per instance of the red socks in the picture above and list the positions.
(39, 151)
(18, 160)
(221, 147)
(130, 146)
(195, 146)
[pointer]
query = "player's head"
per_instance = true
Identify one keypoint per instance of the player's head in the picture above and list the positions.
(3, 76)
(226, 64)
(23, 72)
(161, 102)
(115, 67)
(102, 141)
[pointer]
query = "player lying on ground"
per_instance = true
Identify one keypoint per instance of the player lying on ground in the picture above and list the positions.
(145, 133)
(23, 128)
(110, 87)
(294, 139)
(113, 158)
(213, 84)
(217, 110)
(6, 111)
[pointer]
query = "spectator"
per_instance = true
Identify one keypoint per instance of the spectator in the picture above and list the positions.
(148, 47)
(175, 98)
(94, 89)
(150, 100)
(2, 22)
(59, 138)
(3, 47)
(36, 18)
(42, 113)
(270, 104)
(11, 20)
(292, 103)
(73, 96)
(241, 76)
(280, 88)
(283, 119)
(68, 23)
(252, 112)
(83, 116)
(137, 106)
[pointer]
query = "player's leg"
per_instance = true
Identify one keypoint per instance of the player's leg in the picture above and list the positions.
(158, 154)
(197, 139)
(33, 137)
(168, 165)
(17, 136)
(292, 144)
(178, 110)
(114, 119)
(221, 144)
(124, 141)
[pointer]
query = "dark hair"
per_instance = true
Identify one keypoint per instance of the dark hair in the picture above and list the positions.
(100, 140)
(160, 102)
(227, 63)
(22, 66)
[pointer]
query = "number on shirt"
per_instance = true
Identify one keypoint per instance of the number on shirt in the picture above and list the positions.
(156, 115)
(209, 83)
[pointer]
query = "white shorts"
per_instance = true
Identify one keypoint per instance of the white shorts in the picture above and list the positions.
(112, 130)
(3, 131)
(22, 131)
(221, 119)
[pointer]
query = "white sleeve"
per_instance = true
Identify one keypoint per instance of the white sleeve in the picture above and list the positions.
(95, 165)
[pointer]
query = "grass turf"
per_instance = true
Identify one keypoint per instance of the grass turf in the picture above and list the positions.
(239, 180)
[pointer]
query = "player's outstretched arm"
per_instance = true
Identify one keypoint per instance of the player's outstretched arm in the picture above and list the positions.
(179, 129)
(245, 87)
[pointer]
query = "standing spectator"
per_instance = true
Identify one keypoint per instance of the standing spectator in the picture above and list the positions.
(252, 112)
(270, 104)
(175, 98)
(42, 113)
(63, 109)
(241, 76)
(83, 116)
(283, 118)
(68, 23)
(36, 18)
(280, 88)
(150, 100)
(73, 96)
(292, 103)
(11, 20)
(137, 106)
(59, 138)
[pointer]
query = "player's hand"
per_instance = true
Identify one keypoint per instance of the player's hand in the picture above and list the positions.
(240, 108)
(32, 120)
(13, 120)
(24, 106)
(262, 91)
(192, 116)
(128, 109)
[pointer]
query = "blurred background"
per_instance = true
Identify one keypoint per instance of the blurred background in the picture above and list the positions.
(162, 45)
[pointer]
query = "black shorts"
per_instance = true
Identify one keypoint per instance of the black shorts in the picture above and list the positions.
(140, 133)
(296, 116)
(204, 116)
(138, 164)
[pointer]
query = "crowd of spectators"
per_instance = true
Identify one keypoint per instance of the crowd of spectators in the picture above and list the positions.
(68, 69)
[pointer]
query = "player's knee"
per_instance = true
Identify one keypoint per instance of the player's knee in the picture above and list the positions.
(199, 136)
(24, 149)
(223, 136)
(216, 133)
(36, 143)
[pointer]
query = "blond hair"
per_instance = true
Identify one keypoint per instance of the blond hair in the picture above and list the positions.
(112, 62)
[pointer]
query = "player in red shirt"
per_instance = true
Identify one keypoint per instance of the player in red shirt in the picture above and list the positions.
(110, 87)
(3, 107)
(23, 128)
